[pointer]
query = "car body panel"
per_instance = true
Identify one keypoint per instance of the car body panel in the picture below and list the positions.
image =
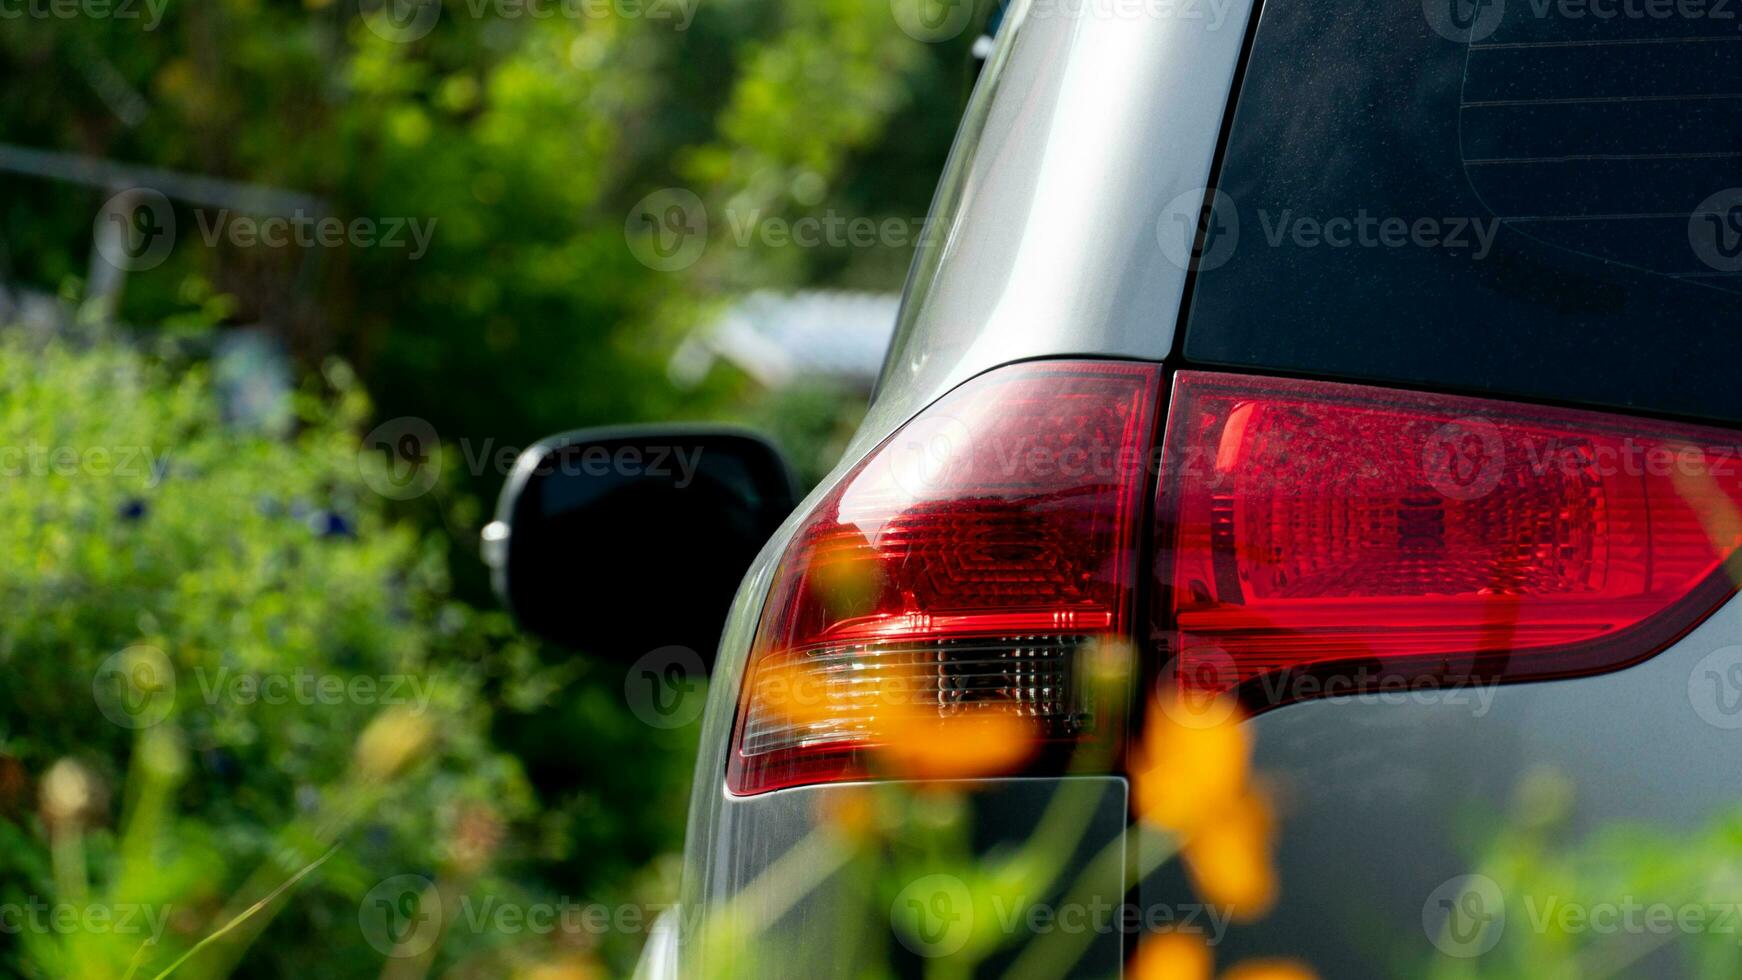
(1381, 798)
(1028, 255)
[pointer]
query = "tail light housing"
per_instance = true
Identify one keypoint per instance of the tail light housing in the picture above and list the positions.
(1317, 537)
(1308, 538)
(962, 570)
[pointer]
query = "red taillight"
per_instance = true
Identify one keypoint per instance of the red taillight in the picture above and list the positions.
(1310, 531)
(959, 572)
(1311, 538)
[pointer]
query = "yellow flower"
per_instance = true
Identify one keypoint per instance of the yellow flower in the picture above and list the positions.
(568, 968)
(391, 742)
(1193, 763)
(1171, 956)
(1229, 858)
(1271, 970)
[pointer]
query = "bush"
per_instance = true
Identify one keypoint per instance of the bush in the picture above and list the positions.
(224, 661)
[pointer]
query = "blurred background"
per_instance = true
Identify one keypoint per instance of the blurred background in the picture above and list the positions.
(247, 247)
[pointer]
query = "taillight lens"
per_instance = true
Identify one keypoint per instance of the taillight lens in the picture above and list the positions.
(1311, 532)
(960, 572)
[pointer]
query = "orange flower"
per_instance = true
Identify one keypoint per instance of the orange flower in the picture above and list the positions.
(1271, 970)
(1193, 763)
(795, 690)
(1171, 956)
(575, 967)
(850, 810)
(1229, 858)
(989, 743)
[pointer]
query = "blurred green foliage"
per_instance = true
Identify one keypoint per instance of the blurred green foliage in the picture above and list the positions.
(159, 562)
(1554, 896)
(526, 143)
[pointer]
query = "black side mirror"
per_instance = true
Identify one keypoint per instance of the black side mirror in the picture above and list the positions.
(621, 541)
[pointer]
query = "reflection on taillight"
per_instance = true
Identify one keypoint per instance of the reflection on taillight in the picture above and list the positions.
(1310, 531)
(962, 571)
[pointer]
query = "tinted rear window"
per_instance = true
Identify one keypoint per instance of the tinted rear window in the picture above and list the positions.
(1518, 197)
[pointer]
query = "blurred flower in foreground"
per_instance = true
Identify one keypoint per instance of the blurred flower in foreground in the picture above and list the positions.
(1185, 956)
(391, 742)
(575, 967)
(796, 690)
(1697, 486)
(1193, 763)
(851, 811)
(1229, 858)
(477, 834)
(918, 743)
(956, 748)
(1270, 970)
(1192, 778)
(68, 793)
(1171, 956)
